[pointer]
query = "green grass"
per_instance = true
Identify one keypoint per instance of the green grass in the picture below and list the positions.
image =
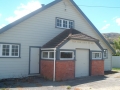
(116, 69)
(3, 89)
(68, 87)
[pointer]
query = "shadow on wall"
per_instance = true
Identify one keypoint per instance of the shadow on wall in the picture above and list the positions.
(41, 82)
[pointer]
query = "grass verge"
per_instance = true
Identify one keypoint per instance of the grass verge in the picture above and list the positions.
(116, 69)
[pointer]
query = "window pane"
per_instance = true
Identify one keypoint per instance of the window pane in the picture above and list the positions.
(16, 54)
(15, 50)
(13, 46)
(51, 54)
(4, 46)
(13, 54)
(93, 55)
(45, 54)
(65, 23)
(70, 24)
(59, 22)
(5, 50)
(7, 54)
(66, 55)
(3, 53)
(105, 53)
(96, 55)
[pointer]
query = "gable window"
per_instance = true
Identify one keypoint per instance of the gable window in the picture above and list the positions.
(105, 53)
(64, 23)
(66, 55)
(9, 50)
(70, 24)
(47, 54)
(96, 55)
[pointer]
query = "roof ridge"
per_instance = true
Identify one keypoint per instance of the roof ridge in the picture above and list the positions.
(66, 34)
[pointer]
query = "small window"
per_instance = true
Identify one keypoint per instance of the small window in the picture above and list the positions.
(51, 54)
(67, 55)
(64, 23)
(96, 55)
(5, 50)
(15, 50)
(59, 22)
(47, 54)
(70, 24)
(105, 53)
(9, 50)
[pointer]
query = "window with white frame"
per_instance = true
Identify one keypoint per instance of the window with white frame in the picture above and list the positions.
(96, 55)
(9, 50)
(47, 54)
(105, 53)
(64, 23)
(66, 55)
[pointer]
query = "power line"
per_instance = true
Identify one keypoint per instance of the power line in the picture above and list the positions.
(98, 6)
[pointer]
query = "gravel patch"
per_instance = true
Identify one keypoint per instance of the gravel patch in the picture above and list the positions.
(110, 81)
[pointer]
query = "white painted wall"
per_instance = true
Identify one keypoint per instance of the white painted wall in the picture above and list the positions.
(116, 61)
(73, 44)
(38, 30)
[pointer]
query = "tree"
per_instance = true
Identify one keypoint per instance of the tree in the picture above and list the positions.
(116, 46)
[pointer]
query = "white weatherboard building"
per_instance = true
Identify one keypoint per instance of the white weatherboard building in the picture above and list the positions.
(56, 34)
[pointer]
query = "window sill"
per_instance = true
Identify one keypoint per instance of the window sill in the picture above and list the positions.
(105, 57)
(96, 58)
(47, 58)
(10, 57)
(66, 59)
(62, 28)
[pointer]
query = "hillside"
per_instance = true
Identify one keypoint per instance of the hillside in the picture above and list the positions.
(110, 37)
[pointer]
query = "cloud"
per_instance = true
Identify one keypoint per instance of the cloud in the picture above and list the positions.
(105, 27)
(114, 18)
(23, 10)
(104, 21)
(118, 21)
(2, 25)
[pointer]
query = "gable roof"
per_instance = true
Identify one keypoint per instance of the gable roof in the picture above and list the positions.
(68, 34)
(47, 6)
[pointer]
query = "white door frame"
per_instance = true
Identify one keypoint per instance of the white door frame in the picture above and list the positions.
(30, 58)
(89, 58)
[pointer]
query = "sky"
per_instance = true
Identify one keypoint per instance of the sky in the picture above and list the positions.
(104, 14)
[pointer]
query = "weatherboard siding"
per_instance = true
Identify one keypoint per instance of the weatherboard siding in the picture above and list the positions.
(73, 44)
(38, 30)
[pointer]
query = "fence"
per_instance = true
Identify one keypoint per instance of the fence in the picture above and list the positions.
(116, 61)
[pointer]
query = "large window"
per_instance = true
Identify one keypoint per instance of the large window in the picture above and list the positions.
(96, 55)
(47, 54)
(105, 53)
(64, 23)
(66, 55)
(9, 50)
